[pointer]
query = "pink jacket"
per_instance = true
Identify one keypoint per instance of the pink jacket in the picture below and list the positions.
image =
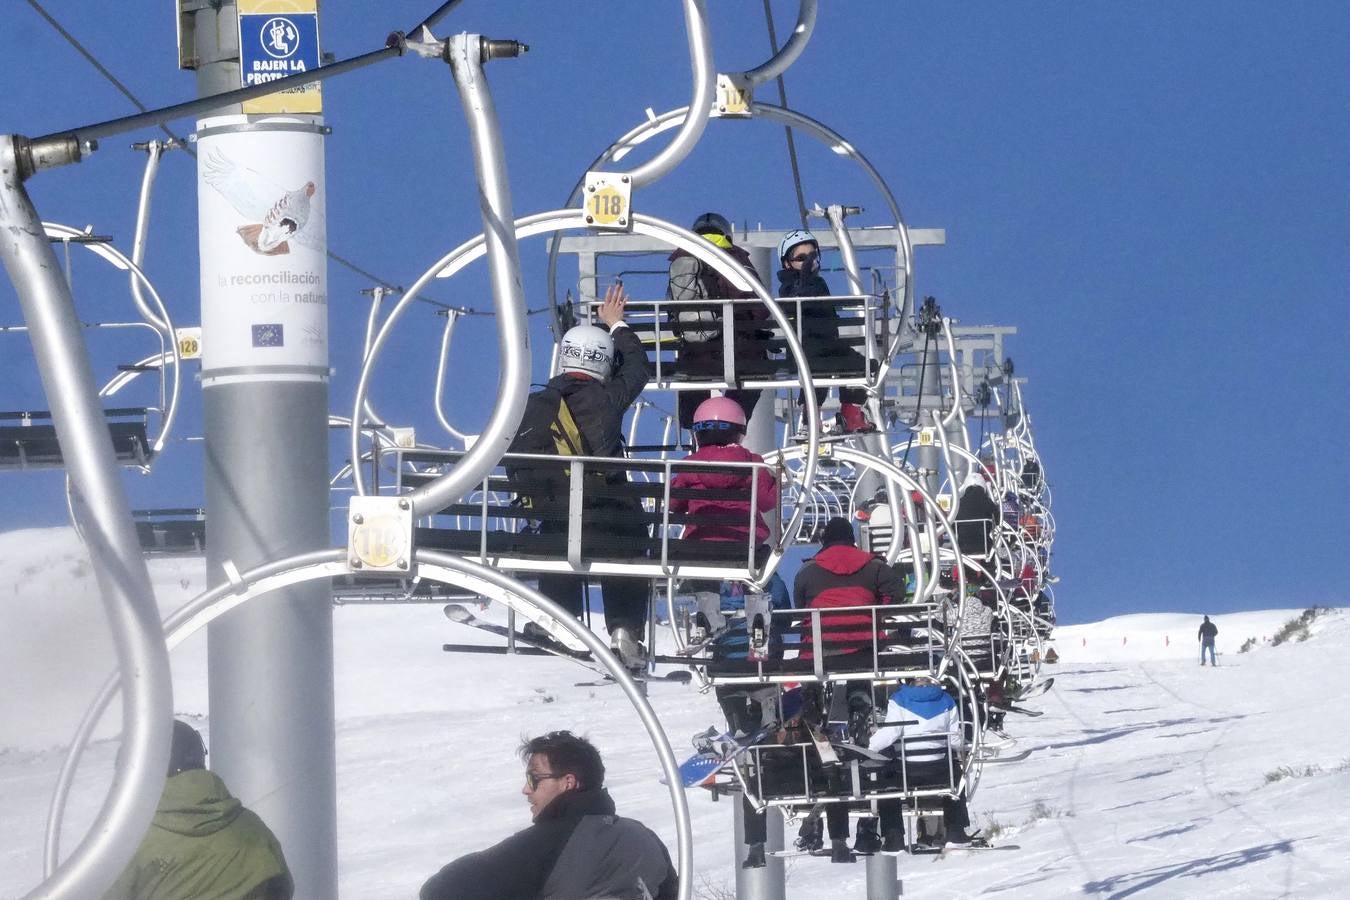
(766, 497)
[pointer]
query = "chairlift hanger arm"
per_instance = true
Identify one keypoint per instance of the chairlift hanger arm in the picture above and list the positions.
(779, 63)
(704, 74)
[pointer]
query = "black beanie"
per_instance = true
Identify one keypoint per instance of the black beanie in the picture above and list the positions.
(838, 531)
(188, 752)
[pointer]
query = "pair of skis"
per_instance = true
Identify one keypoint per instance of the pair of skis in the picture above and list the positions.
(540, 644)
(701, 769)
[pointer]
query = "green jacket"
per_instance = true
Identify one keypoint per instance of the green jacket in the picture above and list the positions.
(203, 845)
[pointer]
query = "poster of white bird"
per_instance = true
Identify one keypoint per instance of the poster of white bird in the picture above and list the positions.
(278, 216)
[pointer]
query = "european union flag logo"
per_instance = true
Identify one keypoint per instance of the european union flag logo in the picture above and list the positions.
(268, 335)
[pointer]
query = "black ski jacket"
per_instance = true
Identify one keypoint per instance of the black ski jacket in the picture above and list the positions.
(599, 406)
(1208, 632)
(820, 321)
(577, 848)
(976, 516)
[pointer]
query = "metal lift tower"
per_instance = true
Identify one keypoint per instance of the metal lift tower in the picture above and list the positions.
(261, 195)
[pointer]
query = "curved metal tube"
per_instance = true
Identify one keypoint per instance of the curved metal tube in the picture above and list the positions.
(161, 325)
(451, 317)
(701, 101)
(835, 214)
(955, 377)
(436, 565)
(893, 474)
(557, 220)
(795, 120)
(63, 362)
(508, 294)
(633, 421)
(787, 54)
(377, 296)
(153, 151)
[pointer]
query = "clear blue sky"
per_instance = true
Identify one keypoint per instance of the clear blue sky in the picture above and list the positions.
(1154, 193)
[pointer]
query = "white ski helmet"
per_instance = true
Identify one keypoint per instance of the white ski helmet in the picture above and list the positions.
(588, 349)
(792, 239)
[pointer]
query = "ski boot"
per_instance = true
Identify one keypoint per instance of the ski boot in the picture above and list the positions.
(859, 718)
(839, 852)
(867, 841)
(959, 838)
(754, 857)
(629, 650)
(810, 836)
(926, 838)
(708, 618)
(759, 622)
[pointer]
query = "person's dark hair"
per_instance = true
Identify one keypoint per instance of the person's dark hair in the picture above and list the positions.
(187, 751)
(568, 755)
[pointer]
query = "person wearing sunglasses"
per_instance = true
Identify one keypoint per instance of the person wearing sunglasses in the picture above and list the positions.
(826, 352)
(577, 846)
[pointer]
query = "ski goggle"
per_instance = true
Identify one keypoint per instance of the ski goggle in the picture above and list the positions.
(716, 425)
(718, 240)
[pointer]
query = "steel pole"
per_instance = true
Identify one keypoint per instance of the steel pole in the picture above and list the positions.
(768, 882)
(270, 664)
(103, 518)
(883, 880)
(759, 431)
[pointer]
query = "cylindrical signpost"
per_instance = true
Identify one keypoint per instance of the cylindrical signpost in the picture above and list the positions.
(263, 243)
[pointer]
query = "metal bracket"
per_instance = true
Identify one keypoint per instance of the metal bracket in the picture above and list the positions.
(427, 45)
(735, 96)
(379, 534)
(608, 201)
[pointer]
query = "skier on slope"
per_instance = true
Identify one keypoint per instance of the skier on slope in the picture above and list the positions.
(577, 846)
(1208, 632)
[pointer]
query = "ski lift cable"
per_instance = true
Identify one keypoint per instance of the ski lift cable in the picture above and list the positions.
(185, 145)
(787, 130)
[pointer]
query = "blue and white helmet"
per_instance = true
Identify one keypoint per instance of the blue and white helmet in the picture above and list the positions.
(588, 349)
(792, 239)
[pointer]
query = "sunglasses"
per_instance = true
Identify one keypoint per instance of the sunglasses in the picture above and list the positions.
(533, 778)
(803, 257)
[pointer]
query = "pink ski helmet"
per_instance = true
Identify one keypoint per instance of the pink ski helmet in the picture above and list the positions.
(718, 413)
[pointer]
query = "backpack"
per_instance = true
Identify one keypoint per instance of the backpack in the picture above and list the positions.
(696, 324)
(546, 428)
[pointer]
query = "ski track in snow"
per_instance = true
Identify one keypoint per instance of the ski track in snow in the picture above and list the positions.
(1149, 777)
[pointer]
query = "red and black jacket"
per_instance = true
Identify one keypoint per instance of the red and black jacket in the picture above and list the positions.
(841, 575)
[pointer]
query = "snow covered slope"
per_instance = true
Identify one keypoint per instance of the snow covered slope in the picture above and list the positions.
(1149, 775)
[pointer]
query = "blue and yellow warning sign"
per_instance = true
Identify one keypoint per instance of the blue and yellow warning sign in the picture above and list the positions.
(278, 38)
